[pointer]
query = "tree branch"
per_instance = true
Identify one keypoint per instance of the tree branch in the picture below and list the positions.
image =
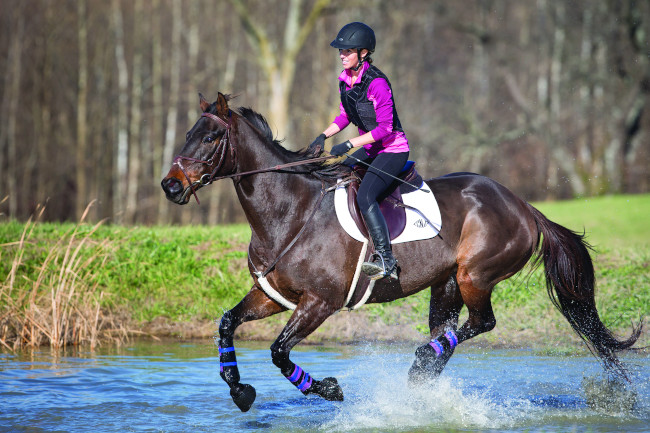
(257, 37)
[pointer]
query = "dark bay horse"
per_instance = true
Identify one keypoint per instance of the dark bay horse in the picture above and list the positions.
(488, 234)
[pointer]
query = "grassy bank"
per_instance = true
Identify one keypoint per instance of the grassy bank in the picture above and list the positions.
(113, 280)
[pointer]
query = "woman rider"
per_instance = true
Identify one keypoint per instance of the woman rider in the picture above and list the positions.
(367, 101)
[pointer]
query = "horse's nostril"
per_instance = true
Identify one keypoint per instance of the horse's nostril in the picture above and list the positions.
(172, 186)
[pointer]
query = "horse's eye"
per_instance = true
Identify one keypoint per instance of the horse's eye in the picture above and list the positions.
(208, 139)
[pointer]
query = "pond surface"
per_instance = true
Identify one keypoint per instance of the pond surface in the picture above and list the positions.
(175, 387)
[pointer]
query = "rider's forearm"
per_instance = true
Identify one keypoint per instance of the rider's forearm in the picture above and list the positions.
(361, 140)
(332, 130)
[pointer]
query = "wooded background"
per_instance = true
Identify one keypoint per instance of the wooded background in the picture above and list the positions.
(551, 98)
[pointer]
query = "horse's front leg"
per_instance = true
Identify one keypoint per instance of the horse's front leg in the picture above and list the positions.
(255, 305)
(310, 313)
(444, 308)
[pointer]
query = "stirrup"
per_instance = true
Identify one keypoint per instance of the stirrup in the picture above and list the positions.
(376, 268)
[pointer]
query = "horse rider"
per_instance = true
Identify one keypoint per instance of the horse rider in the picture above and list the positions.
(367, 101)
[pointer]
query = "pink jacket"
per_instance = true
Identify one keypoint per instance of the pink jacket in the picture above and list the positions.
(386, 140)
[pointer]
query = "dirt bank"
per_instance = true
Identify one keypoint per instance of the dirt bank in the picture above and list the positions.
(357, 326)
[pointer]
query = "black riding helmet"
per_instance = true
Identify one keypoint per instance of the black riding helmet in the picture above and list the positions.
(355, 35)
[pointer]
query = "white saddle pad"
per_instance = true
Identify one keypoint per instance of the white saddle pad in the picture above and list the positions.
(417, 227)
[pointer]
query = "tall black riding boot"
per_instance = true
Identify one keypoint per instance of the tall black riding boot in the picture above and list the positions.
(382, 263)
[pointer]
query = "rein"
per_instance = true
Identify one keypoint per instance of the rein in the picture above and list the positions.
(207, 179)
(274, 168)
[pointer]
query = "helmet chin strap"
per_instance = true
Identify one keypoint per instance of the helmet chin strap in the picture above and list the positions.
(361, 60)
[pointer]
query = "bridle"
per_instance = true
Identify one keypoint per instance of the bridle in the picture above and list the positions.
(220, 151)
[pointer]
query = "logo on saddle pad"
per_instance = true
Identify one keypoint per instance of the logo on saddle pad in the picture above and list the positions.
(410, 217)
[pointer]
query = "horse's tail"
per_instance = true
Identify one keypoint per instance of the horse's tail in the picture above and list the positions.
(570, 284)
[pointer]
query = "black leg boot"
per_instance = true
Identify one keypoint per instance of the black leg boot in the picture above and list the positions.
(382, 263)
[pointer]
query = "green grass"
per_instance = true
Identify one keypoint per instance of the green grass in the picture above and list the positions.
(181, 273)
(611, 222)
(197, 272)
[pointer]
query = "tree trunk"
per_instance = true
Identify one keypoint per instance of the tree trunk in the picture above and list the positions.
(193, 46)
(157, 126)
(122, 149)
(221, 191)
(9, 136)
(101, 120)
(82, 110)
(135, 123)
(561, 156)
(174, 97)
(634, 135)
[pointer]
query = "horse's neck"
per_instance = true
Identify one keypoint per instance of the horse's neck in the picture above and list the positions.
(276, 203)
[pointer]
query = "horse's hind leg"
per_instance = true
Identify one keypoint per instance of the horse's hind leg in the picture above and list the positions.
(444, 308)
(479, 306)
(255, 305)
(495, 244)
(310, 313)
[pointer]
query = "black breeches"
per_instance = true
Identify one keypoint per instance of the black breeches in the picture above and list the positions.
(376, 182)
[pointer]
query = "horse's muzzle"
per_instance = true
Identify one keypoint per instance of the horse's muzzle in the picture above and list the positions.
(174, 190)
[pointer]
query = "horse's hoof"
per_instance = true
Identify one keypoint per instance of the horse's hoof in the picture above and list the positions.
(427, 366)
(421, 376)
(329, 389)
(243, 396)
(416, 376)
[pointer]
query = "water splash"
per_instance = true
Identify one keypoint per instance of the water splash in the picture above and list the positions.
(396, 406)
(383, 400)
(609, 396)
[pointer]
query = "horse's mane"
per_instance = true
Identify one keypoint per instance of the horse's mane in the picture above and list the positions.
(319, 169)
(259, 122)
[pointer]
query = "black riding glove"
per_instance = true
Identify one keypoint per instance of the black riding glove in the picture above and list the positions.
(318, 142)
(340, 149)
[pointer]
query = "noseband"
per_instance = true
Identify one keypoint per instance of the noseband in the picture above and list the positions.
(219, 151)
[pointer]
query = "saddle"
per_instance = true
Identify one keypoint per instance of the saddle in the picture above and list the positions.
(390, 202)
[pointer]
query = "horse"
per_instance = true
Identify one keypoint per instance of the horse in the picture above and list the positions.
(488, 234)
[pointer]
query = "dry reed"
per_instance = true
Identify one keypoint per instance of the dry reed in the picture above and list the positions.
(62, 305)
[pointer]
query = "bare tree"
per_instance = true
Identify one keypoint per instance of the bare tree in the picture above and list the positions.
(280, 68)
(11, 96)
(135, 121)
(157, 163)
(82, 110)
(122, 148)
(174, 96)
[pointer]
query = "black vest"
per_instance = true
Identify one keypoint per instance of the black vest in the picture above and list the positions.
(359, 109)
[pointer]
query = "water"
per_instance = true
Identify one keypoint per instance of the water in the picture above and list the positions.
(175, 387)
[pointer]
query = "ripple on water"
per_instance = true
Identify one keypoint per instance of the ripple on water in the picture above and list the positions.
(173, 409)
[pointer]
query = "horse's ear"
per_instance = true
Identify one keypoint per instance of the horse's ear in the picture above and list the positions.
(204, 103)
(222, 104)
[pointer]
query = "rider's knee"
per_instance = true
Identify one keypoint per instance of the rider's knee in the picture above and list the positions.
(363, 202)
